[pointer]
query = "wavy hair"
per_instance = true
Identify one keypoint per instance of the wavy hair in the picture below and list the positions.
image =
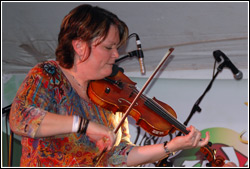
(87, 23)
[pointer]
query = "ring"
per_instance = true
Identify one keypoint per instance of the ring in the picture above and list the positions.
(105, 139)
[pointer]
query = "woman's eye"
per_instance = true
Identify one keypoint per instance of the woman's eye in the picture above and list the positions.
(109, 48)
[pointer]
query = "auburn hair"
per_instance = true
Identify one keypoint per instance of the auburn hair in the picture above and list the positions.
(87, 23)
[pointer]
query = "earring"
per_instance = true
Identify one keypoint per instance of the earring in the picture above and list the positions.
(80, 58)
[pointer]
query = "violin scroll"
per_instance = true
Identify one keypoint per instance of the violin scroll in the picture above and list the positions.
(214, 161)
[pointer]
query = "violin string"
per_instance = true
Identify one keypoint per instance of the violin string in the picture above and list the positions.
(166, 115)
(161, 111)
(156, 107)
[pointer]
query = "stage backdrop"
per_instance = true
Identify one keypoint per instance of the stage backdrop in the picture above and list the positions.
(224, 114)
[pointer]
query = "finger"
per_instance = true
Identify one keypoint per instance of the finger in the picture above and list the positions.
(100, 144)
(189, 128)
(191, 134)
(112, 140)
(197, 138)
(205, 140)
(104, 143)
(109, 140)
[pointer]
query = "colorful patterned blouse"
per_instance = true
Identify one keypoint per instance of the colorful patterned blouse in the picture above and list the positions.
(46, 89)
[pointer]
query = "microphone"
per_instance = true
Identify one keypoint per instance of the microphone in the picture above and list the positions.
(237, 73)
(140, 54)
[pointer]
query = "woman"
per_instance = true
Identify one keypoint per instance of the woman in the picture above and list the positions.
(59, 124)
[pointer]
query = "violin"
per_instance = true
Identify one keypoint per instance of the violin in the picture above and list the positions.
(116, 93)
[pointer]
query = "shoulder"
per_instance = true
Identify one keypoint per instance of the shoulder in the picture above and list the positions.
(47, 72)
(45, 69)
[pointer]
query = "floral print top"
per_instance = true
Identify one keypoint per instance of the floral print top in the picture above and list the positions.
(46, 89)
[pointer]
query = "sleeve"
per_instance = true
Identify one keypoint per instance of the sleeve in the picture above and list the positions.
(30, 105)
(119, 154)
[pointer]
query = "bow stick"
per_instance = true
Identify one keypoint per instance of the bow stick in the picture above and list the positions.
(97, 159)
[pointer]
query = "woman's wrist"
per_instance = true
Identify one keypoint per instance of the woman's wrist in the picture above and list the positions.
(166, 148)
(79, 124)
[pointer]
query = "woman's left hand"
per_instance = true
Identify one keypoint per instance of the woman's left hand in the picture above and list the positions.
(191, 140)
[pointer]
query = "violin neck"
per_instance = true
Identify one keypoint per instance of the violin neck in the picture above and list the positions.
(150, 103)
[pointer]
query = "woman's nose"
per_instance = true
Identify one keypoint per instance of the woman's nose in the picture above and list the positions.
(115, 53)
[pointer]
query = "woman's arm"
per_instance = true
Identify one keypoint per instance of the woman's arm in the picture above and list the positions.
(151, 153)
(54, 124)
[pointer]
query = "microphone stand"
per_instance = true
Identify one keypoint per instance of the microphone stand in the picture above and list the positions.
(196, 106)
(6, 112)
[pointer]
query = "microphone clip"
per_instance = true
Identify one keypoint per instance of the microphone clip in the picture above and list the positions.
(137, 53)
(130, 54)
(221, 66)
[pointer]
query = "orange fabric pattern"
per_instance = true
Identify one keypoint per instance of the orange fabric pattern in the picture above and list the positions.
(46, 89)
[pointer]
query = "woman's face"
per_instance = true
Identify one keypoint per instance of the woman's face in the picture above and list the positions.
(103, 56)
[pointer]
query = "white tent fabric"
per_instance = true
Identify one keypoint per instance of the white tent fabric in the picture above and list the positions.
(194, 29)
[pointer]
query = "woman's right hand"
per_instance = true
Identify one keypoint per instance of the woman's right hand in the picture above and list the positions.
(101, 135)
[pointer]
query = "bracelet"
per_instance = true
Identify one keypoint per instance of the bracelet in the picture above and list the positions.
(83, 126)
(75, 123)
(80, 125)
(165, 146)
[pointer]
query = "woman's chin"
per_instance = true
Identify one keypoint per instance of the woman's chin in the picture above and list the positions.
(104, 74)
(109, 71)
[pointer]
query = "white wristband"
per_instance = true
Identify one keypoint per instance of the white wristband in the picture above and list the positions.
(75, 124)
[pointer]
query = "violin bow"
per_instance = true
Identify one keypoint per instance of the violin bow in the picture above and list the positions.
(97, 159)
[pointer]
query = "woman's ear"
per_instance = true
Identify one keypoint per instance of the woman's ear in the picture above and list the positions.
(80, 48)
